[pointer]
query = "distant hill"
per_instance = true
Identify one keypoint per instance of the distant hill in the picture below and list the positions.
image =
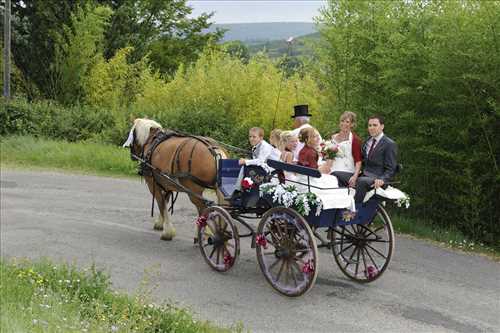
(250, 33)
(278, 48)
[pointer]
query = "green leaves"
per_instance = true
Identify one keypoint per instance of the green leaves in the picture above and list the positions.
(430, 69)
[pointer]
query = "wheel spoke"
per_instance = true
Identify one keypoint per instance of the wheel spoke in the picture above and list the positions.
(357, 261)
(346, 248)
(280, 271)
(274, 264)
(377, 251)
(371, 259)
(212, 253)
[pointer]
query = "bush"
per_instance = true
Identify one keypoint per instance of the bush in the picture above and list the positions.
(48, 119)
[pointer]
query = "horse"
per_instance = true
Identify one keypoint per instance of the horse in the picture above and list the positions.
(190, 160)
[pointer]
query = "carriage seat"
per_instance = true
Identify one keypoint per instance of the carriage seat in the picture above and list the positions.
(227, 175)
(302, 170)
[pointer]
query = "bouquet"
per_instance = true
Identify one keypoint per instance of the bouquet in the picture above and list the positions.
(247, 184)
(330, 150)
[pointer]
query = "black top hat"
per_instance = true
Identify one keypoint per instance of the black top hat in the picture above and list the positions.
(301, 111)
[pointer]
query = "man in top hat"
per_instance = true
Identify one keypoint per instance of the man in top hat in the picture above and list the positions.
(301, 119)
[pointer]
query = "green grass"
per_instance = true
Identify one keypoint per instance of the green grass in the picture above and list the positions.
(447, 237)
(85, 157)
(44, 297)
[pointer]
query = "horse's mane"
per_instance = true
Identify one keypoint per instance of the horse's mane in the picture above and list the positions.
(142, 127)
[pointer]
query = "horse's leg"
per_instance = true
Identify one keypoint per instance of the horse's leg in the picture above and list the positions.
(168, 228)
(155, 190)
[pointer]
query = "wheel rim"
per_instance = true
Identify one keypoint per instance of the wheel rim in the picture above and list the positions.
(286, 251)
(218, 239)
(363, 252)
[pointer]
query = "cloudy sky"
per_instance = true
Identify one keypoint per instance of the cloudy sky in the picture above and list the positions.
(243, 11)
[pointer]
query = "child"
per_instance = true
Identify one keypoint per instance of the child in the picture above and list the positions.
(261, 150)
(309, 156)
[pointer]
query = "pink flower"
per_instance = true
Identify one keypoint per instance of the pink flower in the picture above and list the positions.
(371, 272)
(201, 221)
(261, 241)
(308, 267)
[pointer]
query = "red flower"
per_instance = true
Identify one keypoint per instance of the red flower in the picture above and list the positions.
(247, 184)
(308, 267)
(261, 241)
(228, 259)
(201, 221)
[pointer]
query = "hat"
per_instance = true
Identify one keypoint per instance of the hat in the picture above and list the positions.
(301, 111)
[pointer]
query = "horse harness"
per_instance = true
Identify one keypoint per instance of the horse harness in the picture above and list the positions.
(161, 136)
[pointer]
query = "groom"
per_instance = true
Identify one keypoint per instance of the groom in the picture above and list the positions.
(379, 159)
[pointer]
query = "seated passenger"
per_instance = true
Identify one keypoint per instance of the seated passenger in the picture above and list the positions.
(261, 150)
(274, 140)
(288, 143)
(309, 157)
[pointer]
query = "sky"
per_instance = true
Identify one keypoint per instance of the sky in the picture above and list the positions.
(244, 11)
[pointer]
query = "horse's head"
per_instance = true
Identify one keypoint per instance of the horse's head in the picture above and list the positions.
(139, 134)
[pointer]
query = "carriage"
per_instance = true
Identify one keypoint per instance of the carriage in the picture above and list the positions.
(295, 217)
(287, 236)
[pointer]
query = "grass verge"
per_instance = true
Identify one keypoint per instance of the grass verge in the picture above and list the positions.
(88, 157)
(449, 238)
(83, 157)
(43, 297)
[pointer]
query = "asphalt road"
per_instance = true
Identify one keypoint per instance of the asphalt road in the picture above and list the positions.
(87, 219)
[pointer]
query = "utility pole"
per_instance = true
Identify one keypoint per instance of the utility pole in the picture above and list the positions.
(6, 51)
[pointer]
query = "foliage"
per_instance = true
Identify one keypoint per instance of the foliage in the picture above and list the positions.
(77, 49)
(44, 297)
(427, 67)
(48, 119)
(221, 97)
(66, 36)
(161, 29)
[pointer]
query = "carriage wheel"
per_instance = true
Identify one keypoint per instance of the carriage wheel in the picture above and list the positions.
(363, 251)
(286, 251)
(219, 241)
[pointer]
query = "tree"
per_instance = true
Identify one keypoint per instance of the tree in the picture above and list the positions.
(161, 29)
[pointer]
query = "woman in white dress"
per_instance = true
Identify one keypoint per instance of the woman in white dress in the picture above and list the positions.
(347, 165)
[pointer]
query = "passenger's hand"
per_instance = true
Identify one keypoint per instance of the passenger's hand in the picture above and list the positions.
(242, 161)
(353, 180)
(324, 168)
(378, 183)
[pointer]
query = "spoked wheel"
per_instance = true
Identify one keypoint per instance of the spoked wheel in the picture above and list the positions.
(286, 251)
(219, 241)
(363, 252)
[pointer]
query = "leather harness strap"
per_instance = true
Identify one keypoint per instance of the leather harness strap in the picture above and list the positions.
(175, 167)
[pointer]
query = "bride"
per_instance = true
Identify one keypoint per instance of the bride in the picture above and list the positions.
(327, 186)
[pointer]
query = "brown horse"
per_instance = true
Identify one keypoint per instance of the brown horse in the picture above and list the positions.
(190, 160)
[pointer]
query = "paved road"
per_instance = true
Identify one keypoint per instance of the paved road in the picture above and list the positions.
(85, 219)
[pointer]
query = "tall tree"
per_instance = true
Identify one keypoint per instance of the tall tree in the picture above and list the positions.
(160, 29)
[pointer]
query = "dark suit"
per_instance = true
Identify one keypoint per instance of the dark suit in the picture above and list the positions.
(381, 164)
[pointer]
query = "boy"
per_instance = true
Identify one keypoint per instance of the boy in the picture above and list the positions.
(261, 150)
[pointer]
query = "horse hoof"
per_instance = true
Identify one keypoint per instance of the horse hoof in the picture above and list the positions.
(195, 240)
(158, 227)
(168, 235)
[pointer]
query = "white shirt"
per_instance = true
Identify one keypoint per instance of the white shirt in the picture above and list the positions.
(300, 145)
(261, 152)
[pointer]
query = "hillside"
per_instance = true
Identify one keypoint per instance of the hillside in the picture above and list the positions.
(258, 32)
(277, 48)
